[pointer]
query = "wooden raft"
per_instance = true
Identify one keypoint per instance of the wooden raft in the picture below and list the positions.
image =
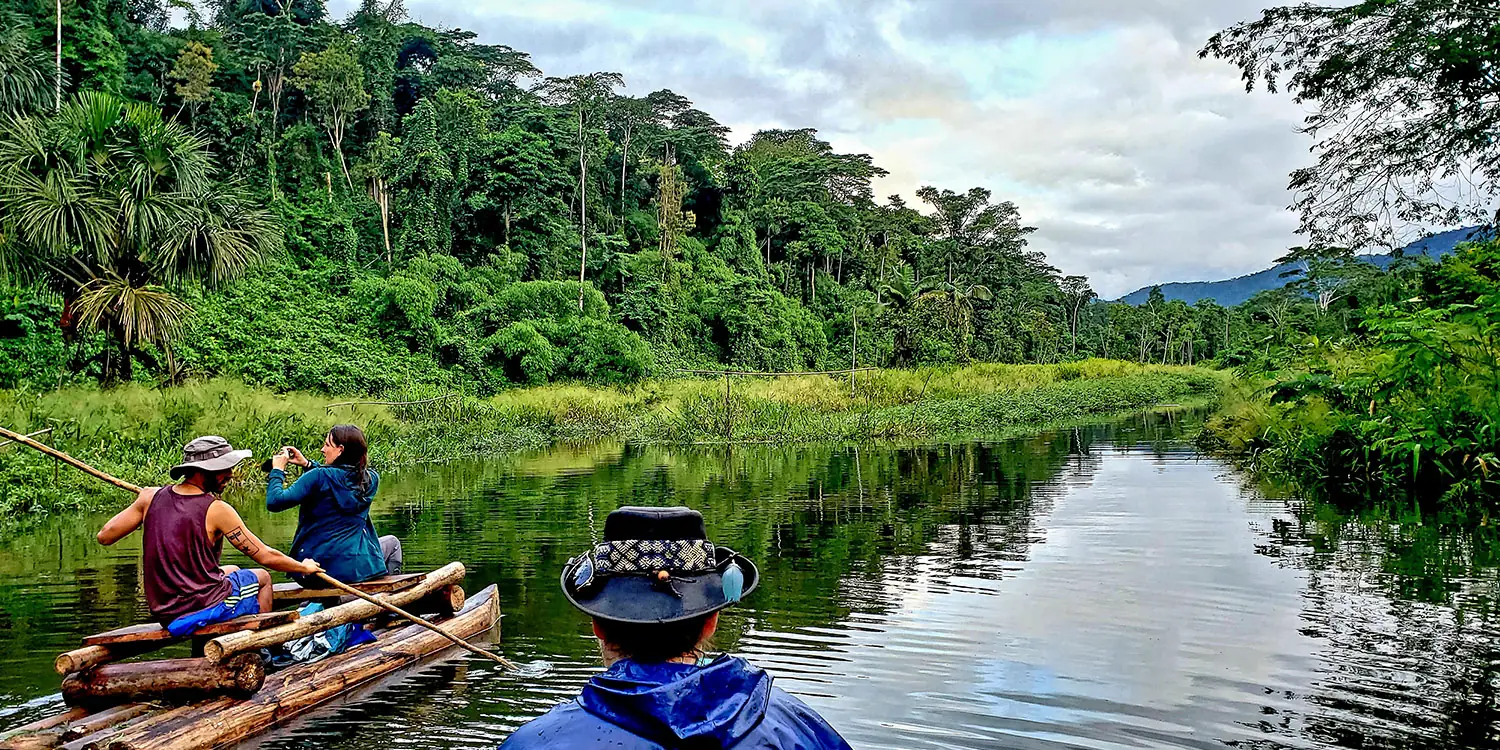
(248, 700)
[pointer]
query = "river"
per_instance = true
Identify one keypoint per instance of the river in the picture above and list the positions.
(1103, 587)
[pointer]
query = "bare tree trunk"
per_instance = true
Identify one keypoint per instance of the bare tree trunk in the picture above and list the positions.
(385, 218)
(57, 78)
(624, 160)
(336, 135)
(853, 352)
(583, 208)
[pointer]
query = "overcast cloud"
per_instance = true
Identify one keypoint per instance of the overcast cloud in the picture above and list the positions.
(1136, 161)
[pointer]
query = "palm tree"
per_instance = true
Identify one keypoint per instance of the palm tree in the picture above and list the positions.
(121, 209)
(959, 295)
(899, 288)
(24, 82)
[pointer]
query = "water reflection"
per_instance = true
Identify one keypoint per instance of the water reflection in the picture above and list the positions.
(1098, 587)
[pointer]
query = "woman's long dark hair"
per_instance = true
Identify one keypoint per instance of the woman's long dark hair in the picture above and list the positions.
(355, 458)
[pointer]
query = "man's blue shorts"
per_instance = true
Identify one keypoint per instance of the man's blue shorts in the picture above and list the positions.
(244, 588)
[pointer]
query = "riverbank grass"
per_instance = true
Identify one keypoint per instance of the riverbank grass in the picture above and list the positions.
(137, 433)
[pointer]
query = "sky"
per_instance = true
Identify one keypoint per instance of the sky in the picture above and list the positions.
(1136, 161)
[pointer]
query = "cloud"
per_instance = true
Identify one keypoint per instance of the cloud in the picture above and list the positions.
(1138, 162)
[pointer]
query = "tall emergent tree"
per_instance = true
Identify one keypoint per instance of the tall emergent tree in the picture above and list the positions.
(194, 73)
(584, 94)
(115, 207)
(335, 87)
(1405, 102)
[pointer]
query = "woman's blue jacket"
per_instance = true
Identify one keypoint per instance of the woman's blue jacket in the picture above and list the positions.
(333, 520)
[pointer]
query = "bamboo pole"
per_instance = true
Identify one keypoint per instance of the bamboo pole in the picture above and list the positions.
(40, 734)
(224, 646)
(331, 407)
(69, 460)
(32, 435)
(93, 740)
(393, 609)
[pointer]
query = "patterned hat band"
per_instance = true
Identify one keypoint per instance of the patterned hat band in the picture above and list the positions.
(628, 556)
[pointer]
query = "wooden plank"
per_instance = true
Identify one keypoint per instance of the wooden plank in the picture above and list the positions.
(224, 646)
(294, 691)
(292, 592)
(153, 633)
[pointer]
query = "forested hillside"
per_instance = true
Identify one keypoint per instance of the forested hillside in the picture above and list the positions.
(1238, 290)
(343, 204)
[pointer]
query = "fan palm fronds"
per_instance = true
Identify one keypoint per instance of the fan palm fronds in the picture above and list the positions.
(136, 315)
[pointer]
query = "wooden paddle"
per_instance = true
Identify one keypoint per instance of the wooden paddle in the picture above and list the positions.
(340, 585)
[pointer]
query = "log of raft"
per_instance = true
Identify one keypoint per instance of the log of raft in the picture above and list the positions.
(41, 734)
(165, 679)
(105, 719)
(446, 601)
(225, 646)
(294, 691)
(80, 659)
(93, 741)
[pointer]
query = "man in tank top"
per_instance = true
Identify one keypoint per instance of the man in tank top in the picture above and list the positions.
(185, 528)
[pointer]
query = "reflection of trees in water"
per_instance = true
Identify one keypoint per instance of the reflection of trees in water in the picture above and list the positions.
(1405, 607)
(828, 525)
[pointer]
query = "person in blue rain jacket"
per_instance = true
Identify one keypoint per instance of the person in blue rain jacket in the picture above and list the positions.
(333, 501)
(654, 589)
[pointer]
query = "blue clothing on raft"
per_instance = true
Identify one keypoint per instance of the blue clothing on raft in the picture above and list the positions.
(727, 703)
(333, 520)
(244, 588)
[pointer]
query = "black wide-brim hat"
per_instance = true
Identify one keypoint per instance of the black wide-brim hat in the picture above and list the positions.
(655, 566)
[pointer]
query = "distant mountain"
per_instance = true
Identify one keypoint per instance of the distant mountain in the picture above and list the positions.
(1231, 292)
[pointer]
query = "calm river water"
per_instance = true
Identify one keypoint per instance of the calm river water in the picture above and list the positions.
(1093, 588)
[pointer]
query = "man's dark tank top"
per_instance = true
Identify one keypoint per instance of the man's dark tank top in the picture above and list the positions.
(180, 568)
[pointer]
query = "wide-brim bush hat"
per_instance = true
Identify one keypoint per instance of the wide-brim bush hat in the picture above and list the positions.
(209, 453)
(654, 566)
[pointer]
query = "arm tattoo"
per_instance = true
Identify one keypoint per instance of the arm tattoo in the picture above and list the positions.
(243, 541)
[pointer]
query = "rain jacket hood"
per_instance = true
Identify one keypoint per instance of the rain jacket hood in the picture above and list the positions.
(727, 703)
(666, 703)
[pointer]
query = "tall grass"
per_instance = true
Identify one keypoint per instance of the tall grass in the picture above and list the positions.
(137, 433)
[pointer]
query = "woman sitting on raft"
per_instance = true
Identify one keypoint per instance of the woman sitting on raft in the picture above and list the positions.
(333, 501)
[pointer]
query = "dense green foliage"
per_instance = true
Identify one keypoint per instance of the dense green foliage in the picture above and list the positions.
(137, 432)
(442, 212)
(1371, 383)
(1402, 395)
